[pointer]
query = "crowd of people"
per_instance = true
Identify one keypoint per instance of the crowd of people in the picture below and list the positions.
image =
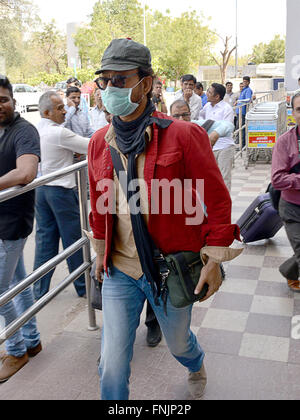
(129, 128)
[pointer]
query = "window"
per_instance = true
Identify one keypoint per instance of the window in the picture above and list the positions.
(19, 89)
(29, 89)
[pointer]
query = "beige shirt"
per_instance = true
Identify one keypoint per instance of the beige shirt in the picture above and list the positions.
(124, 254)
(231, 98)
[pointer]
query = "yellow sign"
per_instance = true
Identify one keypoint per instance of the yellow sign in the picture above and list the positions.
(262, 139)
(290, 121)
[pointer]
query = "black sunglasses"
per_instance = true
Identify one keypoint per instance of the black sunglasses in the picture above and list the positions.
(117, 81)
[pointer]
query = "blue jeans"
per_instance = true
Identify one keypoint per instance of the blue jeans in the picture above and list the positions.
(123, 301)
(57, 216)
(12, 271)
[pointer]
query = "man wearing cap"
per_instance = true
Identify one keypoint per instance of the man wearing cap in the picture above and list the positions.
(151, 147)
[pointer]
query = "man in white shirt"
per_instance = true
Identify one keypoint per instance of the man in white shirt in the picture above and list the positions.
(218, 110)
(97, 115)
(187, 94)
(180, 110)
(57, 210)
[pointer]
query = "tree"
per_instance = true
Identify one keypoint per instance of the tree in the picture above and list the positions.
(178, 45)
(49, 47)
(16, 17)
(225, 54)
(110, 19)
(273, 52)
(14, 6)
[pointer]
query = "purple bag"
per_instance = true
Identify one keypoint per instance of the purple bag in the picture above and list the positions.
(260, 220)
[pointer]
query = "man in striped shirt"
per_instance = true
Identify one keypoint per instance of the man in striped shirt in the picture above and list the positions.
(77, 120)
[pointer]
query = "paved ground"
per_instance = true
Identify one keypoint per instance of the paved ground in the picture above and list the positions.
(246, 331)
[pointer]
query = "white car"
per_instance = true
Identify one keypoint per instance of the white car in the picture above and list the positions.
(26, 96)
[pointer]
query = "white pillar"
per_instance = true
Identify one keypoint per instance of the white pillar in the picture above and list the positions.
(292, 58)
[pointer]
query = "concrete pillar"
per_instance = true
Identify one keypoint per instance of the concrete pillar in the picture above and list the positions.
(72, 50)
(292, 60)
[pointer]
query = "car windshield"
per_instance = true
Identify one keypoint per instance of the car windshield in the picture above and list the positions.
(19, 89)
(29, 88)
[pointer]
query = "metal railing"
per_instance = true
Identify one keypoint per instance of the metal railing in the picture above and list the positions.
(238, 133)
(82, 243)
(270, 96)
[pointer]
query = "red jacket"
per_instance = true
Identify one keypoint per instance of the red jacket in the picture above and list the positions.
(181, 151)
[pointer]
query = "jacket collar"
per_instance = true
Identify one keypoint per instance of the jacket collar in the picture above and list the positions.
(151, 152)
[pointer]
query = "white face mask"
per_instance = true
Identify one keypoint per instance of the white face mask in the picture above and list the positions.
(118, 102)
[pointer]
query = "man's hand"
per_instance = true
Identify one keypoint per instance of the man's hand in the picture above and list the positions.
(187, 94)
(210, 274)
(99, 267)
(213, 137)
(70, 103)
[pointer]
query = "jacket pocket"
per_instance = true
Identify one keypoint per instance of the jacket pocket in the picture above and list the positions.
(168, 159)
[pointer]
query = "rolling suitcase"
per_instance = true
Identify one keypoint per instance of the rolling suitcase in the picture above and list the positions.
(260, 220)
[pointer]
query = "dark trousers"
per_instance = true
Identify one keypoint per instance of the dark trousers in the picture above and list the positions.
(151, 320)
(57, 217)
(290, 215)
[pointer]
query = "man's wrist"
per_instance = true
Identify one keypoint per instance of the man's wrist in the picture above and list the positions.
(211, 262)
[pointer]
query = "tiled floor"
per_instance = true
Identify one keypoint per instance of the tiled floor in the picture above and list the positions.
(254, 301)
(250, 331)
(246, 328)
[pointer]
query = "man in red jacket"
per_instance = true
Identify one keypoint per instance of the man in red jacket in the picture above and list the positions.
(152, 147)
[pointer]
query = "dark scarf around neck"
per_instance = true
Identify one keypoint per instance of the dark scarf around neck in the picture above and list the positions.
(130, 138)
